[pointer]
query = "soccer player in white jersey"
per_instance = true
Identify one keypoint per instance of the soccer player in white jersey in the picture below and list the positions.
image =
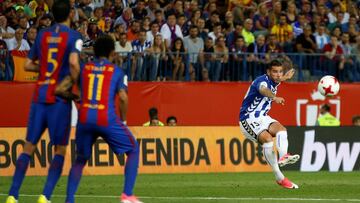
(259, 127)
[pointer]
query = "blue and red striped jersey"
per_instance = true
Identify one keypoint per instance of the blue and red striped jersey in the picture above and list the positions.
(52, 48)
(100, 81)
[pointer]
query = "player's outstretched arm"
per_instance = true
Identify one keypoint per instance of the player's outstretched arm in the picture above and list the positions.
(123, 103)
(288, 75)
(31, 65)
(267, 93)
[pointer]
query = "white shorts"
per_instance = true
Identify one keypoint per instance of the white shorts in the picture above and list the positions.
(253, 127)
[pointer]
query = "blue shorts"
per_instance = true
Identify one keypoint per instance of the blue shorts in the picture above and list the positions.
(117, 135)
(56, 117)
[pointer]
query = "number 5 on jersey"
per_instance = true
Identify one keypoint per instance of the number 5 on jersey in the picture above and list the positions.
(51, 60)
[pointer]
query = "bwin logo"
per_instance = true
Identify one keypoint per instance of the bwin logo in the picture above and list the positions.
(343, 154)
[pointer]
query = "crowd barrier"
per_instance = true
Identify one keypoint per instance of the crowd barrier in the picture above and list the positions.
(236, 66)
(232, 66)
(196, 150)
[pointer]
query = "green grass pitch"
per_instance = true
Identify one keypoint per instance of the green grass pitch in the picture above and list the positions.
(207, 188)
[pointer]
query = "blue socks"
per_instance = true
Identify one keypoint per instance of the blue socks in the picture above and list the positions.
(22, 165)
(131, 170)
(54, 174)
(74, 178)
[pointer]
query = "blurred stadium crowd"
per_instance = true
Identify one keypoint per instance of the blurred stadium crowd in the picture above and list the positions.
(201, 40)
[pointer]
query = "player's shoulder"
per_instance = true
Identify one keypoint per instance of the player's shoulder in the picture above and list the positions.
(118, 70)
(74, 34)
(63, 28)
(42, 31)
(262, 78)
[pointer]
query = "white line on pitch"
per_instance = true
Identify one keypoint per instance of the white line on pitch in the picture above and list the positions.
(207, 198)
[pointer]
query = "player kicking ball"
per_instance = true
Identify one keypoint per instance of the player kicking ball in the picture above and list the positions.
(100, 82)
(257, 126)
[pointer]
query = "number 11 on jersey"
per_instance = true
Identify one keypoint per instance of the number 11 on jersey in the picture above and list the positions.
(98, 79)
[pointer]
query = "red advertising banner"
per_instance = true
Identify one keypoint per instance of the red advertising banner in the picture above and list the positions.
(200, 104)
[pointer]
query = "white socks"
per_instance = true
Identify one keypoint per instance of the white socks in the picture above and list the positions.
(282, 143)
(271, 158)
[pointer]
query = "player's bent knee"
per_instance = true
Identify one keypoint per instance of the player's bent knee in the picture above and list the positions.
(265, 137)
(136, 148)
(60, 150)
(276, 127)
(80, 159)
(282, 128)
(29, 148)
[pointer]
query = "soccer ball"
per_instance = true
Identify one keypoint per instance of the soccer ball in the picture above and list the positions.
(328, 86)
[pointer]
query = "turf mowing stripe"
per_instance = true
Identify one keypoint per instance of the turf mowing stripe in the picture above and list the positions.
(206, 198)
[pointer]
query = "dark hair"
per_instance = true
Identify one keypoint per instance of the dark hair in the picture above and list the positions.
(122, 33)
(22, 17)
(142, 30)
(117, 26)
(336, 28)
(154, 23)
(214, 13)
(171, 118)
(218, 38)
(336, 5)
(171, 14)
(301, 14)
(193, 13)
(227, 25)
(355, 118)
(283, 14)
(333, 35)
(193, 27)
(181, 15)
(326, 107)
(103, 46)
(134, 21)
(32, 27)
(345, 33)
(61, 10)
(9, 9)
(153, 113)
(274, 62)
(98, 8)
(158, 11)
(3, 44)
(182, 49)
(217, 24)
(239, 37)
(201, 18)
